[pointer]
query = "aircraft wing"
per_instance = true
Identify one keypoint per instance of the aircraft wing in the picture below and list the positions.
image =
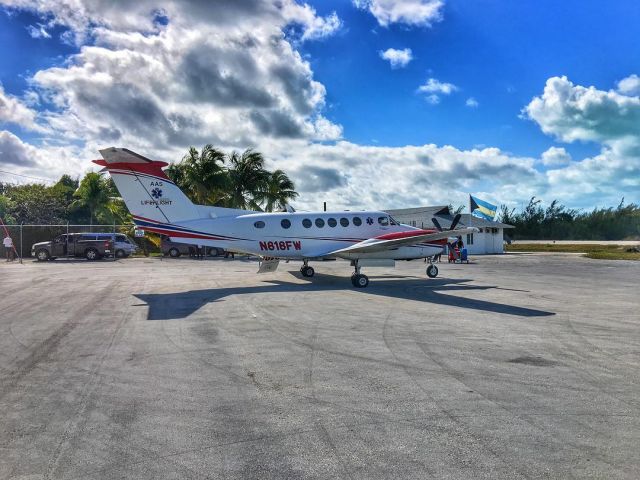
(392, 240)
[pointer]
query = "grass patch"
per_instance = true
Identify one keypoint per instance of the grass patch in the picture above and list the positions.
(604, 252)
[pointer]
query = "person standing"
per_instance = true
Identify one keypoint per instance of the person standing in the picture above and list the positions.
(8, 246)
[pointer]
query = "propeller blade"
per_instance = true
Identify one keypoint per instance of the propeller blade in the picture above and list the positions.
(456, 219)
(437, 224)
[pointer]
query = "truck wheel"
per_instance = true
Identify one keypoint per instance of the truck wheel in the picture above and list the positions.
(174, 252)
(120, 254)
(42, 255)
(91, 254)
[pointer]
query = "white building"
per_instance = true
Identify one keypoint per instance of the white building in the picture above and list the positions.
(489, 240)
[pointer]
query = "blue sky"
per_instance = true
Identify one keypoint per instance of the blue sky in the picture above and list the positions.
(498, 52)
(323, 104)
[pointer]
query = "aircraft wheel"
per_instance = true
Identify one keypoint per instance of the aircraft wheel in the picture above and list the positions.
(359, 280)
(174, 252)
(307, 271)
(432, 271)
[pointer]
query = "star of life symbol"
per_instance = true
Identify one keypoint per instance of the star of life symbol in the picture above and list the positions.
(369, 221)
(156, 193)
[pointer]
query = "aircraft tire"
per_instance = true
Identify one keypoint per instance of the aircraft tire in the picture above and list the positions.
(307, 271)
(359, 280)
(432, 271)
(174, 252)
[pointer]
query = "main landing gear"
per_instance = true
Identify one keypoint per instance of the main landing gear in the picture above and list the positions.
(358, 279)
(432, 270)
(306, 270)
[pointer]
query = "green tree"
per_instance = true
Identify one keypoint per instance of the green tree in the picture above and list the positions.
(277, 192)
(6, 206)
(248, 178)
(93, 193)
(35, 203)
(202, 175)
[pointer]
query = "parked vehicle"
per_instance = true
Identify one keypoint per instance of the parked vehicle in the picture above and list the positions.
(176, 249)
(123, 247)
(86, 245)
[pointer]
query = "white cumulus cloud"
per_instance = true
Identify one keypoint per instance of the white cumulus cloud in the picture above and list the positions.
(555, 156)
(471, 103)
(630, 85)
(573, 112)
(435, 88)
(15, 111)
(408, 12)
(397, 58)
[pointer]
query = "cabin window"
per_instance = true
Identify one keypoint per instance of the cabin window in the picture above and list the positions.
(285, 223)
(332, 222)
(384, 221)
(306, 223)
(357, 221)
(259, 224)
(345, 221)
(319, 222)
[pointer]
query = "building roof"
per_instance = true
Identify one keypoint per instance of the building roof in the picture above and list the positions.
(443, 214)
(435, 210)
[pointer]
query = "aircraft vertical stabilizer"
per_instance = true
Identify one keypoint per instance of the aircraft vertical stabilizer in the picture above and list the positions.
(145, 188)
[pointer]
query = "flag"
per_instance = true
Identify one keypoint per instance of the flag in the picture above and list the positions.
(482, 209)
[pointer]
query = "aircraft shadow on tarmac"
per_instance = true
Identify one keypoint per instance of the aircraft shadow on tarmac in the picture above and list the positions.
(178, 305)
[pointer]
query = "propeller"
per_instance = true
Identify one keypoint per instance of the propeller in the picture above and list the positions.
(454, 223)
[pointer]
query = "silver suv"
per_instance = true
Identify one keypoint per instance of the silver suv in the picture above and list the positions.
(123, 246)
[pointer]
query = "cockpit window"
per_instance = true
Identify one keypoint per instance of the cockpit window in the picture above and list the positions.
(393, 221)
(259, 224)
(384, 221)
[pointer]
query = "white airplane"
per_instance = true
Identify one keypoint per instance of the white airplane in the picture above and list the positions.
(366, 238)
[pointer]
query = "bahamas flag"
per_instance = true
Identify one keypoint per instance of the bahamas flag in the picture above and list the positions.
(482, 209)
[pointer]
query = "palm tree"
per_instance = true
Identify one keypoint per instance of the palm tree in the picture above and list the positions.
(93, 193)
(247, 177)
(202, 175)
(278, 191)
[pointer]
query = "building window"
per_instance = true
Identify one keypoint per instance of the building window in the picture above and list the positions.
(306, 223)
(332, 222)
(357, 221)
(345, 221)
(285, 223)
(469, 238)
(319, 222)
(259, 224)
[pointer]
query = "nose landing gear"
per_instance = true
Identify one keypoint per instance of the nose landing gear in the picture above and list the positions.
(432, 270)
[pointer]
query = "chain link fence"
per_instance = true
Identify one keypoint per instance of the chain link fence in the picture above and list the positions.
(26, 236)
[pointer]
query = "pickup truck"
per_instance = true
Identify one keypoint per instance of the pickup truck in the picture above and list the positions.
(87, 245)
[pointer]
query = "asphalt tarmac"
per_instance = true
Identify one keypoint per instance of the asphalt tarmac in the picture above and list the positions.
(515, 366)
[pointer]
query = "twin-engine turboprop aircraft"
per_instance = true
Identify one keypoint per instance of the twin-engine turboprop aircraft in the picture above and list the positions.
(366, 238)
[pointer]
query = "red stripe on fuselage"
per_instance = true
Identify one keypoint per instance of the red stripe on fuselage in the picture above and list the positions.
(172, 233)
(407, 234)
(151, 168)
